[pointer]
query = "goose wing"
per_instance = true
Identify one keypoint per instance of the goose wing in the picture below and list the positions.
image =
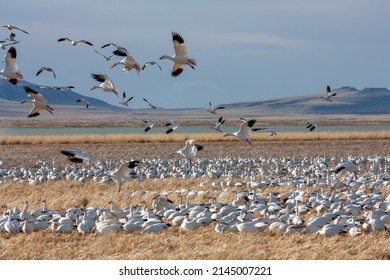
(35, 95)
(178, 44)
(10, 59)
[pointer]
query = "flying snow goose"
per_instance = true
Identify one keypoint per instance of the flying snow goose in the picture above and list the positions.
(244, 132)
(106, 84)
(172, 126)
(10, 71)
(63, 89)
(43, 68)
(38, 101)
(12, 27)
(311, 126)
(74, 42)
(151, 63)
(328, 94)
(79, 156)
(120, 48)
(151, 105)
(149, 124)
(218, 124)
(108, 58)
(347, 166)
(129, 62)
(4, 45)
(83, 101)
(125, 101)
(190, 149)
(122, 173)
(212, 109)
(180, 58)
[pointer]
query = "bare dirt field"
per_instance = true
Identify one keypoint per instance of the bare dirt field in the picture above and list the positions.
(204, 243)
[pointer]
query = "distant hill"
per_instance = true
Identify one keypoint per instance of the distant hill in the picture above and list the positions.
(348, 101)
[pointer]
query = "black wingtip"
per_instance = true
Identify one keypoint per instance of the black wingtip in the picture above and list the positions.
(29, 89)
(177, 37)
(251, 122)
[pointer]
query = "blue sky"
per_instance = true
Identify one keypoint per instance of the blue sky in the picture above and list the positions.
(246, 50)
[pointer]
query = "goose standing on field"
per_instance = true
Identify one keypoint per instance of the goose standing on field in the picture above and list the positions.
(125, 101)
(213, 109)
(83, 101)
(38, 101)
(328, 94)
(46, 69)
(151, 63)
(74, 42)
(218, 124)
(10, 71)
(151, 105)
(12, 27)
(180, 58)
(129, 62)
(106, 84)
(244, 132)
(190, 149)
(122, 173)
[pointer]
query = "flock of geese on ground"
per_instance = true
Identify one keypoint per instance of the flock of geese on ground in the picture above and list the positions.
(344, 195)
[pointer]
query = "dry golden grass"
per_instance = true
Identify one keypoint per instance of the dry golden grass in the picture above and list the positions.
(172, 244)
(202, 137)
(204, 243)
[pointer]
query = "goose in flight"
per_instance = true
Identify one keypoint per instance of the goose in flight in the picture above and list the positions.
(12, 27)
(62, 89)
(83, 101)
(129, 62)
(106, 84)
(213, 109)
(190, 149)
(108, 58)
(10, 71)
(43, 68)
(74, 42)
(4, 45)
(151, 105)
(151, 63)
(328, 94)
(347, 166)
(218, 124)
(311, 126)
(245, 130)
(38, 101)
(119, 48)
(122, 173)
(79, 156)
(125, 101)
(149, 124)
(172, 126)
(180, 58)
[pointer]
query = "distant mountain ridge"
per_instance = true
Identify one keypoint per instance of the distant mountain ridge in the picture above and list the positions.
(348, 101)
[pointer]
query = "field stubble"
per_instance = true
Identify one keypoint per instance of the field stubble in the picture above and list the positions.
(204, 243)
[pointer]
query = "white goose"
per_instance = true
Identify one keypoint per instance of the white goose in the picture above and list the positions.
(12, 27)
(129, 62)
(122, 173)
(108, 58)
(10, 71)
(85, 101)
(328, 94)
(44, 68)
(244, 132)
(74, 42)
(347, 166)
(149, 124)
(11, 226)
(4, 45)
(218, 124)
(79, 156)
(172, 126)
(190, 149)
(180, 58)
(151, 105)
(213, 109)
(38, 101)
(106, 83)
(125, 101)
(147, 63)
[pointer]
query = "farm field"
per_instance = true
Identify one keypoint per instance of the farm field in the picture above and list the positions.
(172, 243)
